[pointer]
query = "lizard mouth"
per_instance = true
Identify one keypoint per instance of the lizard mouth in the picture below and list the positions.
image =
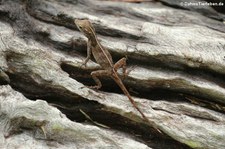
(76, 21)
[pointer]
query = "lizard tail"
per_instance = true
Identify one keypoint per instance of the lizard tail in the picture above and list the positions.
(123, 88)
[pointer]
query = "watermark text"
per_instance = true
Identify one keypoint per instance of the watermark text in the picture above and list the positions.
(201, 4)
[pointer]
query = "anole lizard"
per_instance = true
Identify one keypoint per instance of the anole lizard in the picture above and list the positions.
(104, 59)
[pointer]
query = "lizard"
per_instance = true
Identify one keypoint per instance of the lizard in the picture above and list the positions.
(104, 59)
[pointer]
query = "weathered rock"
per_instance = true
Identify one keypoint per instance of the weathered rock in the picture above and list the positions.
(42, 57)
(4, 78)
(28, 124)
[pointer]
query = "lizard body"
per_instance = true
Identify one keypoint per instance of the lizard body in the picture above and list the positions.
(104, 59)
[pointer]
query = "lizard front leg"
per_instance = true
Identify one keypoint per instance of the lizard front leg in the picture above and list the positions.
(99, 73)
(88, 54)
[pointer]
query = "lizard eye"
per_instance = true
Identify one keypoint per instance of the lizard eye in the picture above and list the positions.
(79, 26)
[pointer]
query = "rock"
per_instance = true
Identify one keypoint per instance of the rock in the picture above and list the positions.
(26, 124)
(176, 76)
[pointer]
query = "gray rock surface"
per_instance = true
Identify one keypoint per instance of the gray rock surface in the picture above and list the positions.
(35, 124)
(176, 63)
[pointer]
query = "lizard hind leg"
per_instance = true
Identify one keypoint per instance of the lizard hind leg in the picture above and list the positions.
(121, 63)
(99, 73)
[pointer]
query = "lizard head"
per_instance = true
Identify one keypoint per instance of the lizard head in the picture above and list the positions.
(85, 27)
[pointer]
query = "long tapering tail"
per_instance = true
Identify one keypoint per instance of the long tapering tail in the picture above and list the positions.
(123, 88)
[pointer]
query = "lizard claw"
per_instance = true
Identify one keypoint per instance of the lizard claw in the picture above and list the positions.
(83, 64)
(126, 73)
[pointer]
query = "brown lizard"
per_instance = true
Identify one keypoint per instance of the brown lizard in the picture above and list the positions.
(104, 59)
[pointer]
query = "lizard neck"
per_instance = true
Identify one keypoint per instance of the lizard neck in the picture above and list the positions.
(93, 39)
(92, 36)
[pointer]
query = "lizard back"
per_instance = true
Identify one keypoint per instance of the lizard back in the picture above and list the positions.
(102, 56)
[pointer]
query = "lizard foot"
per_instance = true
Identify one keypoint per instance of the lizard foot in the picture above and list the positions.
(83, 65)
(126, 73)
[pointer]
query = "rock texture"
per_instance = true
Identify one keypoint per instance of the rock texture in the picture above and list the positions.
(28, 124)
(176, 63)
